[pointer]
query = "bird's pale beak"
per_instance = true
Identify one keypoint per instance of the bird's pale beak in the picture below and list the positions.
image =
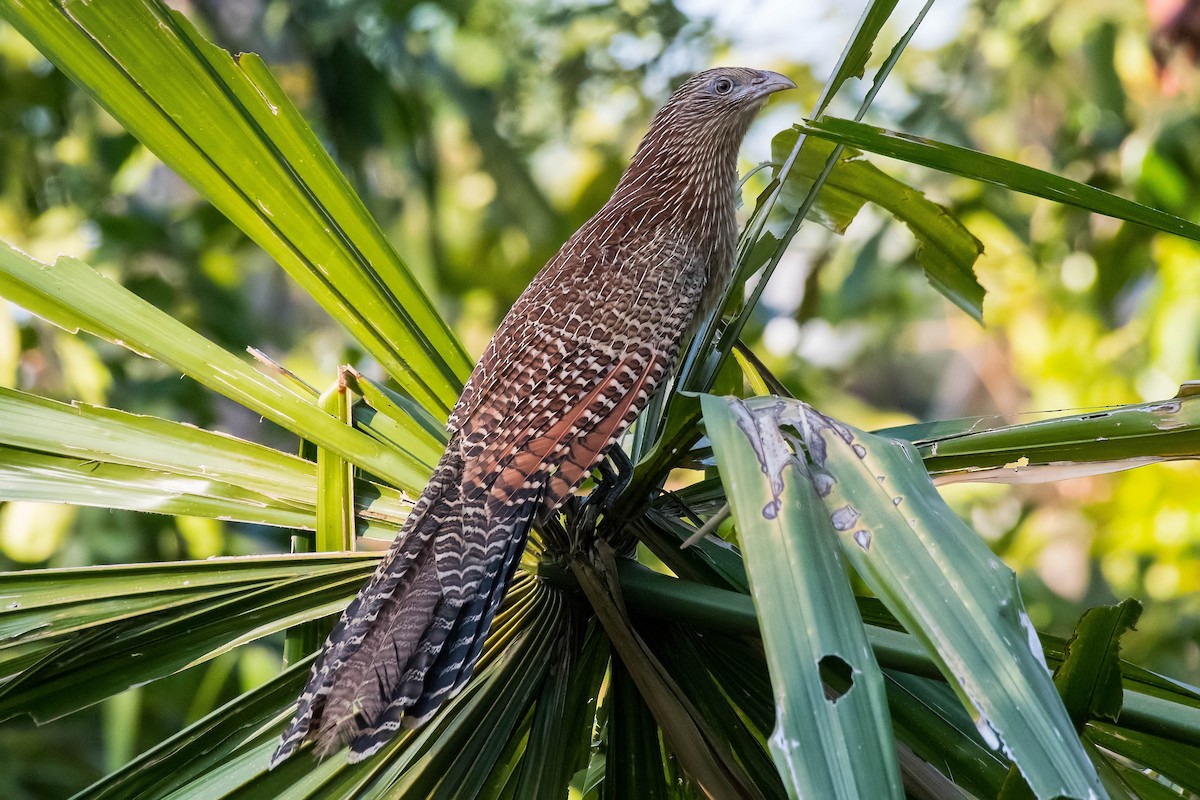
(769, 82)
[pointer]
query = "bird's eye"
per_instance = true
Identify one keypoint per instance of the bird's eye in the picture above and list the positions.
(723, 86)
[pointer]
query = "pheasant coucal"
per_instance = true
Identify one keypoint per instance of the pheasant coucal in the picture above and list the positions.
(568, 370)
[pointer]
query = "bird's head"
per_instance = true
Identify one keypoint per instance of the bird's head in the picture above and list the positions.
(690, 150)
(731, 94)
(705, 119)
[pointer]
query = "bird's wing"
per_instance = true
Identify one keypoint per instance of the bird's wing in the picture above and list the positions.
(573, 445)
(530, 341)
(550, 441)
(574, 306)
(540, 453)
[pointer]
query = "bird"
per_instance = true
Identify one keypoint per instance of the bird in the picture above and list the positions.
(578, 356)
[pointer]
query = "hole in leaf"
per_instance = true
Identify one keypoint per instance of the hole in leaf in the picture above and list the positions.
(837, 675)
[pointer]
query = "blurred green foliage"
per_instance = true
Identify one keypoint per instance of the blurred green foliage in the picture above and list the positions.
(481, 134)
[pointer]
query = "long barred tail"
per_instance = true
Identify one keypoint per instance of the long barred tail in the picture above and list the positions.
(387, 664)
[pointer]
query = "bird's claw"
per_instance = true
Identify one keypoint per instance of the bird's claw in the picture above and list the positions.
(616, 473)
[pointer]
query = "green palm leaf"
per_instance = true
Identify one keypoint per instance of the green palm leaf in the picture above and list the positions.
(991, 169)
(226, 127)
(75, 297)
(665, 692)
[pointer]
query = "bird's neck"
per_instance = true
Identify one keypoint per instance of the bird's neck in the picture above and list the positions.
(688, 173)
(680, 193)
(683, 177)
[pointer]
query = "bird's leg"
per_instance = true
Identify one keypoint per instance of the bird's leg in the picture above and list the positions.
(616, 473)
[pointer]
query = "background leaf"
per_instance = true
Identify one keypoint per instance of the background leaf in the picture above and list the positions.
(945, 249)
(983, 167)
(228, 128)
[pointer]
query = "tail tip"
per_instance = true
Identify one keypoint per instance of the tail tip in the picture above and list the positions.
(366, 746)
(281, 754)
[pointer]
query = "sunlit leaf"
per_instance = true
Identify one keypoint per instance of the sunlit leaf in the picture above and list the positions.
(27, 475)
(991, 169)
(227, 127)
(1093, 442)
(809, 620)
(75, 297)
(945, 249)
(89, 455)
(335, 478)
(396, 420)
(853, 61)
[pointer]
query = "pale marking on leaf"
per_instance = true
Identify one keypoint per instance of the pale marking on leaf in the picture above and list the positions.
(1188, 389)
(991, 737)
(1044, 473)
(843, 519)
(1035, 644)
(811, 423)
(772, 452)
(823, 482)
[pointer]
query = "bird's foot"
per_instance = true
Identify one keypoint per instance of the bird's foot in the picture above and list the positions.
(616, 472)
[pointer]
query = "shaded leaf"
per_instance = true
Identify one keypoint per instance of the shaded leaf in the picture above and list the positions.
(948, 590)
(946, 250)
(639, 766)
(681, 652)
(991, 169)
(1179, 763)
(226, 754)
(203, 747)
(102, 630)
(701, 753)
(560, 731)
(928, 717)
(1089, 680)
